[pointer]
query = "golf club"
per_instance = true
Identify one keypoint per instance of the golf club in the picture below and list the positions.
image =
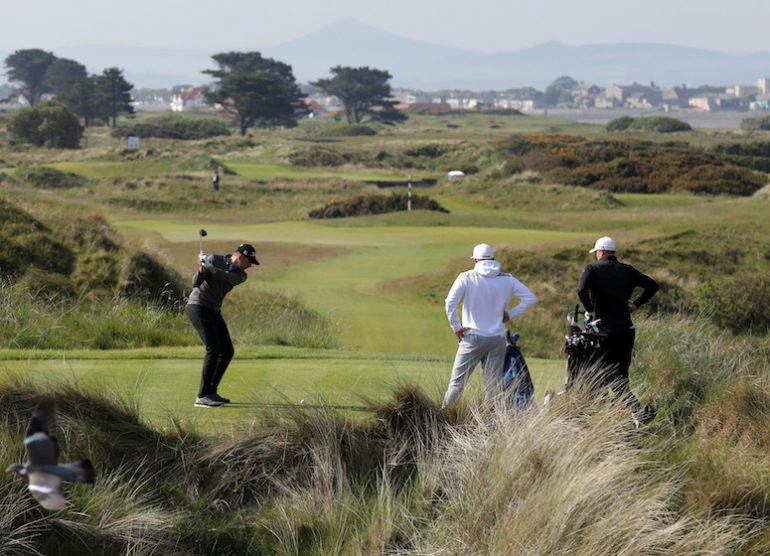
(201, 235)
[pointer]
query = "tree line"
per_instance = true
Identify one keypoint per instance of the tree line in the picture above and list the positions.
(257, 91)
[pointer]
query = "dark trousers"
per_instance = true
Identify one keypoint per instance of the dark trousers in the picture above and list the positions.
(213, 331)
(616, 359)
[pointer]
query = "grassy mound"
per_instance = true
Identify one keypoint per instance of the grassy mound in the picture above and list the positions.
(45, 177)
(366, 205)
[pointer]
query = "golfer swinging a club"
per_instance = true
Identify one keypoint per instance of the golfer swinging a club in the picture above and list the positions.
(485, 293)
(216, 276)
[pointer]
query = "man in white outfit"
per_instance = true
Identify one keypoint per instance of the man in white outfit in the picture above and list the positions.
(485, 293)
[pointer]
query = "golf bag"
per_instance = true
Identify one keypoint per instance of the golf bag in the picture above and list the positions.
(584, 348)
(517, 382)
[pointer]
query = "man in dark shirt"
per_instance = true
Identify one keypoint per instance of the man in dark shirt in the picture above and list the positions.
(605, 289)
(216, 276)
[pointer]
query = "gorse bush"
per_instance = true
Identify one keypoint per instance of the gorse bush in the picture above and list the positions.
(631, 165)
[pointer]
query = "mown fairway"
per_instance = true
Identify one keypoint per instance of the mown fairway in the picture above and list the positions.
(367, 274)
(163, 382)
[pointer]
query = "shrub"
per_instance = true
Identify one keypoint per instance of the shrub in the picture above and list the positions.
(175, 127)
(427, 151)
(632, 165)
(739, 303)
(756, 124)
(365, 205)
(47, 124)
(346, 130)
(46, 177)
(659, 124)
(716, 180)
(319, 157)
(619, 124)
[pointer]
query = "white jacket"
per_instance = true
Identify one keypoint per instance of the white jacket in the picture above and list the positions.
(485, 293)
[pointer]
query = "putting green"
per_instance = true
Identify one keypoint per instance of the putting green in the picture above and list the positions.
(163, 381)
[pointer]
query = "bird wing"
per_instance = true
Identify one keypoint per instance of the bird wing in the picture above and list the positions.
(46, 489)
(77, 472)
(40, 437)
(44, 418)
(41, 449)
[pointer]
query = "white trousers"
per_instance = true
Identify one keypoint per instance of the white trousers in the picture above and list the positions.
(475, 349)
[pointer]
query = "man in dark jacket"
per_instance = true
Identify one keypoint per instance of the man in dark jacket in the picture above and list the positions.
(606, 288)
(216, 276)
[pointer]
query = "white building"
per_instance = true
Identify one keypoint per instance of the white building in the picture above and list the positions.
(187, 99)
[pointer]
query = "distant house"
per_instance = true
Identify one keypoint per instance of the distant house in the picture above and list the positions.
(762, 102)
(636, 95)
(711, 102)
(516, 104)
(314, 107)
(188, 99)
(763, 84)
(14, 101)
(584, 95)
(603, 101)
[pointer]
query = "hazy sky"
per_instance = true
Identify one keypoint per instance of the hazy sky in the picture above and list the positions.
(481, 25)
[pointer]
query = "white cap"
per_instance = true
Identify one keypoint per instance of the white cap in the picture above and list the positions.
(483, 251)
(605, 243)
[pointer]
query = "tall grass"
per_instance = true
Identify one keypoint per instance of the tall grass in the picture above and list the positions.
(574, 478)
(56, 322)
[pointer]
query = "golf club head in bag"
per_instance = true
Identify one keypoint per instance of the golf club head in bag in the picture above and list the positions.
(583, 347)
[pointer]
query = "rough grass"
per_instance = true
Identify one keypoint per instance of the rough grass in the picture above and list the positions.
(576, 478)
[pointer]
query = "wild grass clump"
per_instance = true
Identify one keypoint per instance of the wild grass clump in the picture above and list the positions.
(33, 317)
(273, 318)
(568, 480)
(573, 478)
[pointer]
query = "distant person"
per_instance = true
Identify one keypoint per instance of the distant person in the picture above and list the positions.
(215, 180)
(216, 276)
(485, 293)
(605, 288)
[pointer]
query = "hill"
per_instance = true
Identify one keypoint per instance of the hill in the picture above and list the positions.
(428, 66)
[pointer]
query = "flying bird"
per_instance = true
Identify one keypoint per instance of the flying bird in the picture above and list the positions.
(43, 473)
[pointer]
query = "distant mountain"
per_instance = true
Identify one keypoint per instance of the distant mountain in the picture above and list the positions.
(421, 65)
